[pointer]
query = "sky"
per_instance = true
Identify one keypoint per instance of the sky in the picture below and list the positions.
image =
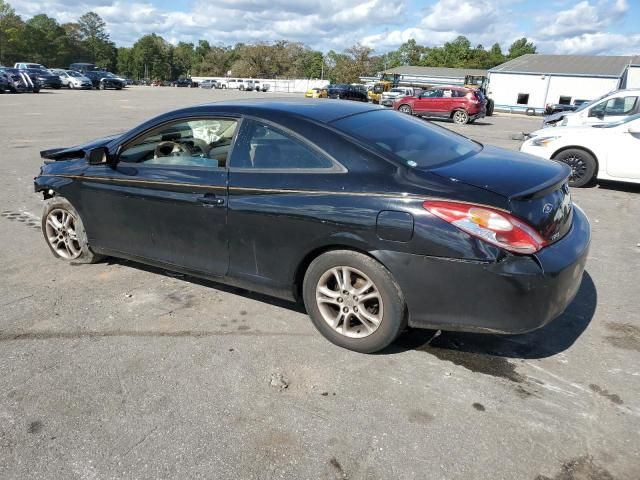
(603, 27)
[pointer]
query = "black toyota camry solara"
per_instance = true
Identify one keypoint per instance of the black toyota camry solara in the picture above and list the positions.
(376, 220)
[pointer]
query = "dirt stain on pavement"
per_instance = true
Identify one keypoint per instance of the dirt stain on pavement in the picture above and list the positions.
(581, 468)
(418, 416)
(35, 427)
(605, 393)
(338, 468)
(625, 336)
(478, 406)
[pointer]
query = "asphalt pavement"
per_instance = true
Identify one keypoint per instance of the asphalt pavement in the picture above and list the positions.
(121, 371)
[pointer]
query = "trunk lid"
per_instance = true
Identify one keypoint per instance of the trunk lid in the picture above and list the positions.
(537, 189)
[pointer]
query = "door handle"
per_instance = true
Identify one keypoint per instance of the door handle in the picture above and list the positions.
(211, 199)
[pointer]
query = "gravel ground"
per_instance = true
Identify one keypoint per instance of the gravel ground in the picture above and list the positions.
(117, 370)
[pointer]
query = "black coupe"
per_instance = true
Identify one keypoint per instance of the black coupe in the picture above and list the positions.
(375, 219)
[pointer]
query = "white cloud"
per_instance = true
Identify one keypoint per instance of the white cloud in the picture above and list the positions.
(584, 17)
(463, 16)
(595, 44)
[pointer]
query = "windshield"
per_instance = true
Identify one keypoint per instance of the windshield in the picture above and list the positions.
(588, 104)
(630, 118)
(378, 89)
(71, 73)
(37, 71)
(414, 142)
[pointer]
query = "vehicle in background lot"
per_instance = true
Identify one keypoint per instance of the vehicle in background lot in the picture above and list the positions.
(103, 80)
(375, 94)
(184, 82)
(608, 151)
(250, 85)
(388, 98)
(83, 67)
(208, 84)
(374, 208)
(313, 93)
(460, 104)
(345, 91)
(25, 66)
(611, 107)
(552, 108)
(71, 78)
(222, 84)
(44, 77)
(19, 81)
(4, 83)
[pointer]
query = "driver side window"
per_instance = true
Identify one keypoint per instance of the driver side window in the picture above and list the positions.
(189, 143)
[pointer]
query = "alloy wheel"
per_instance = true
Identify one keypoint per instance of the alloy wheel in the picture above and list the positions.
(460, 117)
(61, 234)
(578, 167)
(349, 302)
(405, 109)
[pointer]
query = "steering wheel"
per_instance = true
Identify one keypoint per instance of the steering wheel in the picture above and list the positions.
(170, 149)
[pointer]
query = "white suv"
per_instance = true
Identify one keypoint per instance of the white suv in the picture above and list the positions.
(612, 107)
(396, 92)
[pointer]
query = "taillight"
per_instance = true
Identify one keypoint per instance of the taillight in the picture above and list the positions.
(493, 226)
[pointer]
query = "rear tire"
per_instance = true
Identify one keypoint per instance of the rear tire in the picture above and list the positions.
(363, 310)
(64, 232)
(460, 117)
(583, 166)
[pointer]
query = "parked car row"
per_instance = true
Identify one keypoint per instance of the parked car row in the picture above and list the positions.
(32, 77)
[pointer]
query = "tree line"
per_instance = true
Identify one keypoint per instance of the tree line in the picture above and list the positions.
(41, 39)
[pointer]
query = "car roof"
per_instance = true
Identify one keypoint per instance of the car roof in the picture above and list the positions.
(324, 110)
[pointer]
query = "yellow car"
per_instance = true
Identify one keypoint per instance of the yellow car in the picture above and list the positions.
(316, 93)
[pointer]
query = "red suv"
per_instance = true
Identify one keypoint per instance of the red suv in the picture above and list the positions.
(462, 105)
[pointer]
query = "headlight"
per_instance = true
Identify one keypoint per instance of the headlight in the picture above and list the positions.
(542, 141)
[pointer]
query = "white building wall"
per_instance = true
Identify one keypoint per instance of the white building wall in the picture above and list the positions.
(633, 77)
(542, 89)
(581, 88)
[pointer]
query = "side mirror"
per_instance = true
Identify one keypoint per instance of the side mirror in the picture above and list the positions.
(634, 129)
(98, 156)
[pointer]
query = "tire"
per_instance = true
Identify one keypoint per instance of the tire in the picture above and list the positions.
(460, 117)
(583, 166)
(36, 90)
(73, 238)
(490, 107)
(530, 112)
(70, 86)
(385, 303)
(405, 109)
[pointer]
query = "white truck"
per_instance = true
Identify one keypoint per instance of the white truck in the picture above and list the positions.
(389, 97)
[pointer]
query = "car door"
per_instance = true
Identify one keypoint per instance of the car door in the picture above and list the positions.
(427, 103)
(274, 176)
(613, 109)
(623, 145)
(165, 198)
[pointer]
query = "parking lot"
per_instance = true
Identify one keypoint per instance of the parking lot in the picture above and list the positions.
(118, 370)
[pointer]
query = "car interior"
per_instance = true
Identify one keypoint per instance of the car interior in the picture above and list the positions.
(195, 143)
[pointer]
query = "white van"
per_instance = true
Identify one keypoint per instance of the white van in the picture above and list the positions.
(612, 107)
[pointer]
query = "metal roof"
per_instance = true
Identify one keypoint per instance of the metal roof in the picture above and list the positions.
(582, 65)
(436, 71)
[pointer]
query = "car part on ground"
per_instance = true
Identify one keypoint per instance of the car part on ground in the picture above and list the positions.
(337, 204)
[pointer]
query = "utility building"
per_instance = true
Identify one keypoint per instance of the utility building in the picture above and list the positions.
(530, 82)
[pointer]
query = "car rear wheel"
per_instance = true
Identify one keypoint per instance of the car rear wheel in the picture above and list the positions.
(354, 301)
(583, 166)
(64, 232)
(460, 117)
(405, 109)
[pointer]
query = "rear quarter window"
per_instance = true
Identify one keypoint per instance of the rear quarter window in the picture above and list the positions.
(409, 140)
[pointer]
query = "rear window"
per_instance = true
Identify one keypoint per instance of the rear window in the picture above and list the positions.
(412, 141)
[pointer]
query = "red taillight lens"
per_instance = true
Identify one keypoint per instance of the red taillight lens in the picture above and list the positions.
(493, 226)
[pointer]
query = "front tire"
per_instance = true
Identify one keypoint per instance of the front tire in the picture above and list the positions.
(354, 301)
(405, 109)
(583, 166)
(64, 232)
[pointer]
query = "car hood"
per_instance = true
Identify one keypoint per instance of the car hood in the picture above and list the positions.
(507, 173)
(568, 130)
(78, 151)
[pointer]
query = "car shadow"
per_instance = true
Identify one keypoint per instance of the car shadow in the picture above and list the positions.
(619, 186)
(223, 287)
(556, 337)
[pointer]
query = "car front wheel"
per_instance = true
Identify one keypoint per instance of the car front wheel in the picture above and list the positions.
(583, 166)
(64, 232)
(354, 301)
(405, 109)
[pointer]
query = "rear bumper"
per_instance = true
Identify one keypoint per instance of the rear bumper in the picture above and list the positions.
(516, 295)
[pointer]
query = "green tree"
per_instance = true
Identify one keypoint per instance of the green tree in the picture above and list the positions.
(12, 45)
(520, 47)
(46, 41)
(95, 39)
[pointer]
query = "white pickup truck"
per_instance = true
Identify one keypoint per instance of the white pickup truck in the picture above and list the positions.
(389, 97)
